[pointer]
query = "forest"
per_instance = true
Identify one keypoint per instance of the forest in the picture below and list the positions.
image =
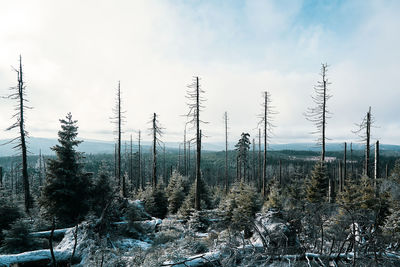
(150, 205)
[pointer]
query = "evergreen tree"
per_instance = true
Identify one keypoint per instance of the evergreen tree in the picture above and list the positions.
(240, 206)
(189, 203)
(242, 149)
(349, 198)
(66, 194)
(18, 239)
(317, 187)
(102, 191)
(275, 198)
(176, 191)
(155, 201)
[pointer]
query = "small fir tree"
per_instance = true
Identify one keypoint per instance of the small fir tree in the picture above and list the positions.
(317, 187)
(66, 194)
(18, 239)
(176, 191)
(275, 198)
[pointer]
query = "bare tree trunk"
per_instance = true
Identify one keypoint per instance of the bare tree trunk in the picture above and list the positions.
(253, 167)
(141, 181)
(75, 244)
(345, 164)
(226, 153)
(189, 169)
(259, 160)
(340, 176)
(131, 164)
(387, 171)
(40, 168)
(53, 227)
(115, 161)
(376, 172)
(264, 181)
(164, 170)
(198, 156)
(323, 112)
(154, 180)
(179, 158)
(119, 139)
(351, 159)
(367, 148)
(184, 153)
(27, 197)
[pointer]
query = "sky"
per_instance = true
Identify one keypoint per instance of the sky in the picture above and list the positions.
(75, 52)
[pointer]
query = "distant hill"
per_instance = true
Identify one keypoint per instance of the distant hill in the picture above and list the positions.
(106, 147)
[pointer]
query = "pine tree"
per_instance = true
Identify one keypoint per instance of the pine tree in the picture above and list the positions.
(275, 198)
(176, 191)
(317, 187)
(349, 198)
(102, 191)
(67, 191)
(242, 149)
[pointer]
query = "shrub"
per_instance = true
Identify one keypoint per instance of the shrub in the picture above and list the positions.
(17, 239)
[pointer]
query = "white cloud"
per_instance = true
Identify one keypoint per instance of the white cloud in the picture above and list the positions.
(75, 52)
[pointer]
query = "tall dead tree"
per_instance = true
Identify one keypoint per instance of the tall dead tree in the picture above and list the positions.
(259, 182)
(184, 152)
(345, 163)
(195, 106)
(164, 170)
(319, 113)
(364, 132)
(376, 169)
(131, 164)
(253, 161)
(266, 123)
(226, 153)
(18, 94)
(118, 120)
(156, 131)
(140, 178)
(40, 168)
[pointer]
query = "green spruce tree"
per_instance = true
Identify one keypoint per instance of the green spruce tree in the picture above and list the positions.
(317, 187)
(66, 193)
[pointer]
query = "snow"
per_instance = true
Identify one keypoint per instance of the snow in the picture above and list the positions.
(201, 234)
(46, 234)
(197, 260)
(129, 243)
(32, 256)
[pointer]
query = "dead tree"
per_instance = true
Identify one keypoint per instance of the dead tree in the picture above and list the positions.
(195, 106)
(364, 132)
(164, 170)
(376, 170)
(156, 132)
(184, 152)
(345, 163)
(141, 180)
(131, 164)
(319, 113)
(18, 93)
(266, 122)
(259, 182)
(118, 120)
(253, 161)
(226, 153)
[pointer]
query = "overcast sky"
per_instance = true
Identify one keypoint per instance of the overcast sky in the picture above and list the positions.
(75, 52)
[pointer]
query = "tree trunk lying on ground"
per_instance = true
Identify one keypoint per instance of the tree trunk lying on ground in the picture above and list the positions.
(37, 257)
